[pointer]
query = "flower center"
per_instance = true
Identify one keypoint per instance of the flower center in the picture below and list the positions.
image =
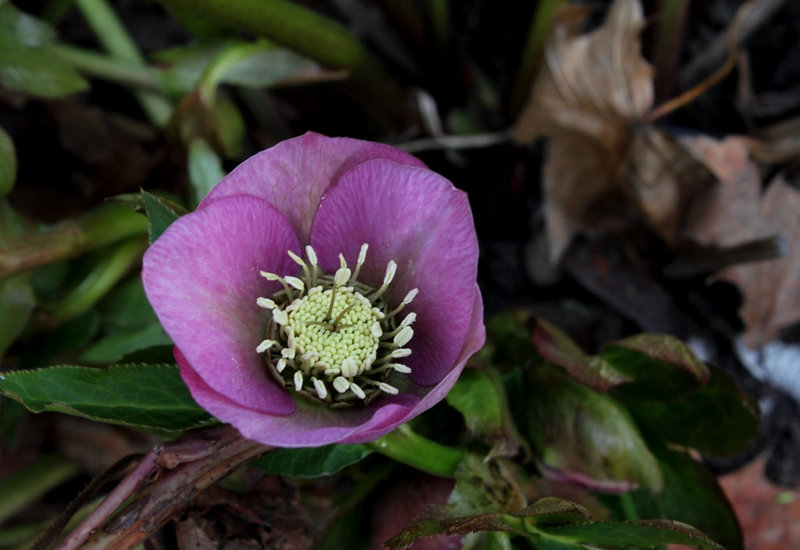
(333, 338)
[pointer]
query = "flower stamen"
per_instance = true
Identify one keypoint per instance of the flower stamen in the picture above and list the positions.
(333, 338)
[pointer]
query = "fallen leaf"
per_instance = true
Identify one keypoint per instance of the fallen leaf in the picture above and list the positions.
(736, 211)
(605, 169)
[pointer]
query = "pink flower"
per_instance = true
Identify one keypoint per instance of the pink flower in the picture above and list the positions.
(292, 330)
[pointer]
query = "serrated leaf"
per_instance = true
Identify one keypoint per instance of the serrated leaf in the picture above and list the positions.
(585, 436)
(312, 462)
(555, 521)
(642, 534)
(559, 349)
(716, 419)
(8, 163)
(159, 215)
(141, 396)
(480, 397)
(26, 64)
(691, 495)
(658, 365)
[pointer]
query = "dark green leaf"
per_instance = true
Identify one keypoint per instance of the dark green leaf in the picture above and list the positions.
(114, 347)
(26, 64)
(586, 436)
(159, 215)
(558, 524)
(692, 495)
(479, 396)
(8, 163)
(142, 396)
(313, 462)
(659, 365)
(716, 419)
(559, 349)
(642, 534)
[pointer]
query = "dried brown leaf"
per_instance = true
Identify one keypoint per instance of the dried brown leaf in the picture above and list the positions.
(590, 92)
(736, 211)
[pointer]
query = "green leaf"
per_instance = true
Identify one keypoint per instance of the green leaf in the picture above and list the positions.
(559, 349)
(658, 365)
(205, 168)
(480, 397)
(141, 396)
(558, 524)
(8, 163)
(26, 63)
(642, 534)
(129, 324)
(586, 436)
(691, 495)
(312, 462)
(159, 215)
(114, 347)
(716, 419)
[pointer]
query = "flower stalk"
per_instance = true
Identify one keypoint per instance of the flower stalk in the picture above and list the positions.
(406, 446)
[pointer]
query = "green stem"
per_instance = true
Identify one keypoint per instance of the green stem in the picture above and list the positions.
(539, 30)
(102, 66)
(103, 225)
(111, 267)
(310, 34)
(115, 39)
(403, 445)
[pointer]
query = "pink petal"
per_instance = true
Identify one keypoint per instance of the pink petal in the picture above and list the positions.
(295, 174)
(418, 219)
(310, 425)
(202, 278)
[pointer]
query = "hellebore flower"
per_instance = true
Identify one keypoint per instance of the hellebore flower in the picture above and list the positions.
(324, 291)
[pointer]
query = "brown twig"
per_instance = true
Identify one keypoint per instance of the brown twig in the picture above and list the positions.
(693, 93)
(166, 480)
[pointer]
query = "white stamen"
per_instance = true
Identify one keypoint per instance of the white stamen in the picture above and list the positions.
(376, 329)
(311, 254)
(281, 365)
(362, 256)
(400, 352)
(349, 368)
(298, 260)
(403, 337)
(410, 296)
(295, 282)
(391, 269)
(342, 276)
(298, 380)
(288, 353)
(356, 389)
(265, 345)
(388, 388)
(408, 319)
(342, 261)
(322, 391)
(280, 317)
(266, 303)
(401, 368)
(270, 276)
(331, 372)
(341, 384)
